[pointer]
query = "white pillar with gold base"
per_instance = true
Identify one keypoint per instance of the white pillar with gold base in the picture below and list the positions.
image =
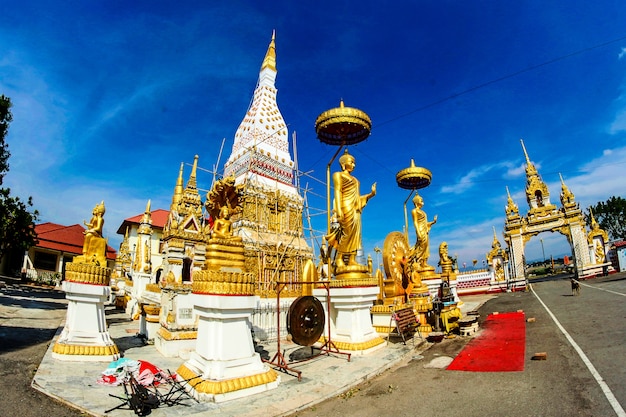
(225, 365)
(349, 318)
(85, 336)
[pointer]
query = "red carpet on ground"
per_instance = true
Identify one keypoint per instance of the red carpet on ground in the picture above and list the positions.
(499, 347)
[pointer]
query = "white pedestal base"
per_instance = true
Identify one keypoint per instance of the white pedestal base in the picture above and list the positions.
(85, 336)
(225, 364)
(349, 318)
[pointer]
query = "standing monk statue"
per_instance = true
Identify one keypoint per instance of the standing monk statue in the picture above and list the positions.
(348, 205)
(422, 229)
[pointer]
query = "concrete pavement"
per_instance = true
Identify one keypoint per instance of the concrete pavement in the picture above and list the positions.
(324, 377)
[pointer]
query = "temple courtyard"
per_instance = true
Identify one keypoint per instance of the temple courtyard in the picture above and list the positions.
(581, 374)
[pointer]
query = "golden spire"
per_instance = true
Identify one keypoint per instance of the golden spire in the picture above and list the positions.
(146, 221)
(270, 56)
(525, 153)
(593, 219)
(178, 189)
(192, 177)
(511, 207)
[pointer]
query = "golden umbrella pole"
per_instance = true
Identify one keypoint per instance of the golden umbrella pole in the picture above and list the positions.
(412, 178)
(342, 126)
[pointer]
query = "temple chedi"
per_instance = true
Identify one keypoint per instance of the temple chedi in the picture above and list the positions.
(270, 224)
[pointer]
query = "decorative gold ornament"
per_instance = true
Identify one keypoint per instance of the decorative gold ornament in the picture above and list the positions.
(343, 126)
(356, 346)
(85, 350)
(396, 253)
(204, 386)
(413, 177)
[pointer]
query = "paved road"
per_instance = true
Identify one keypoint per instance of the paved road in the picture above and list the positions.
(563, 385)
(29, 318)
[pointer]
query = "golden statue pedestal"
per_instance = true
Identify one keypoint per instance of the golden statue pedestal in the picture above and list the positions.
(224, 365)
(422, 304)
(349, 317)
(85, 336)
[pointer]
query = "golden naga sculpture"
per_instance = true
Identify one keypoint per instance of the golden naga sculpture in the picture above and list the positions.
(221, 202)
(422, 226)
(223, 250)
(348, 204)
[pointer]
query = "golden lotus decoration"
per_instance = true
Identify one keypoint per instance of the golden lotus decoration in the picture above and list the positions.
(413, 177)
(343, 126)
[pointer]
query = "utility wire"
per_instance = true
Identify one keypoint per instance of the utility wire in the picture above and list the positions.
(505, 77)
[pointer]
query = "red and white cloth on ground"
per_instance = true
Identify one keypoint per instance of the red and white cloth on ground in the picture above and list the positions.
(122, 369)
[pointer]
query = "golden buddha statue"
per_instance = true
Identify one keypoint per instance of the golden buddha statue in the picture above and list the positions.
(94, 227)
(348, 205)
(421, 250)
(222, 227)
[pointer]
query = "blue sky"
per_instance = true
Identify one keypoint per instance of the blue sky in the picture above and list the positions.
(110, 97)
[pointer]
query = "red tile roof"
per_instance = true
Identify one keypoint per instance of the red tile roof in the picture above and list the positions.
(159, 218)
(67, 239)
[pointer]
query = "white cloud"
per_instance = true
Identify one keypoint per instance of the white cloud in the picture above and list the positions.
(476, 175)
(619, 124)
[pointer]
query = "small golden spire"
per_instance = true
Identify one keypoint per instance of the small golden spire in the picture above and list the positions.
(147, 207)
(525, 153)
(192, 177)
(178, 189)
(270, 56)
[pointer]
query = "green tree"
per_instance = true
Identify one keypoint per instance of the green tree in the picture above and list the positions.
(611, 216)
(17, 219)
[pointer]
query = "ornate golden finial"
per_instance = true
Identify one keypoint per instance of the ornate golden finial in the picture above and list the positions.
(495, 237)
(525, 153)
(594, 223)
(343, 126)
(270, 56)
(147, 207)
(567, 197)
(511, 207)
(178, 189)
(413, 177)
(192, 184)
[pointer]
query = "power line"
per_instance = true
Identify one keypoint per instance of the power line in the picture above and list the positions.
(497, 80)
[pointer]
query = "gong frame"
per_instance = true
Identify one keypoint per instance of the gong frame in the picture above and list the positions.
(328, 348)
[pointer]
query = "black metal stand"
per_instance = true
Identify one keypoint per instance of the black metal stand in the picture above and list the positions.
(278, 360)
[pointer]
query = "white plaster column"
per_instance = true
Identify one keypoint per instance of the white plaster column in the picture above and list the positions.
(350, 318)
(225, 365)
(85, 336)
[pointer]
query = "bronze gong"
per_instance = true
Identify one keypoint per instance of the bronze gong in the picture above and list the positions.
(305, 321)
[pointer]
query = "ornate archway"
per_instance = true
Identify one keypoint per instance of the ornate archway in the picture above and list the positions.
(543, 216)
